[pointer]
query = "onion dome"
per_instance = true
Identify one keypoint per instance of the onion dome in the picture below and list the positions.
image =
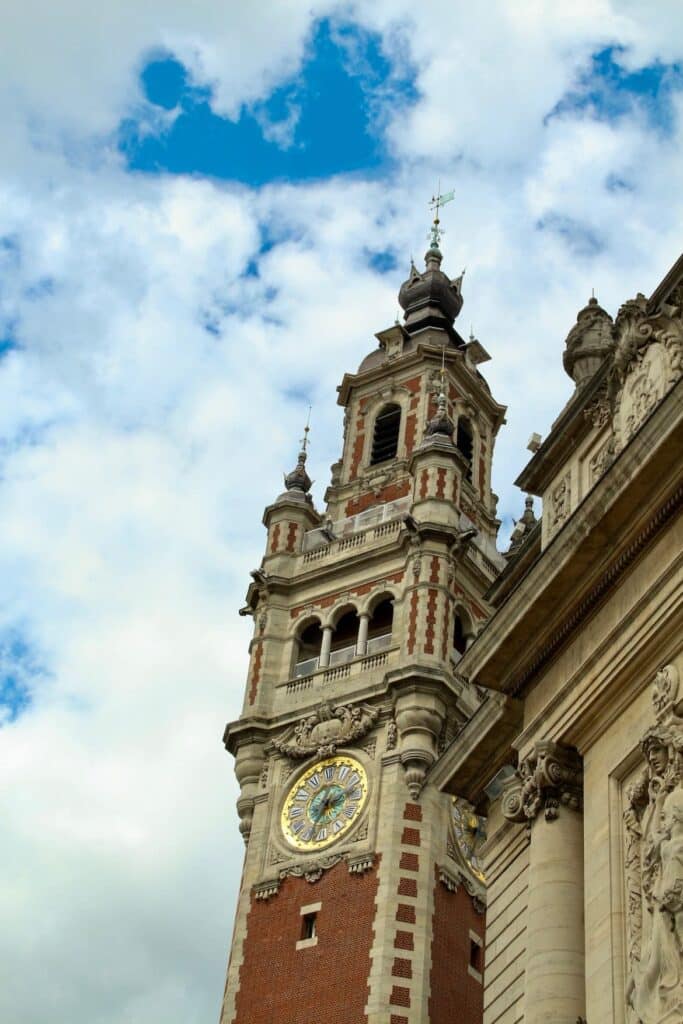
(298, 479)
(298, 483)
(430, 298)
(588, 342)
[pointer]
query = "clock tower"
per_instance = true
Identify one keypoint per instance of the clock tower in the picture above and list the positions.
(362, 899)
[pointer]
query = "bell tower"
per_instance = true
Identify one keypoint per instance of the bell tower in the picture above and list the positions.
(361, 898)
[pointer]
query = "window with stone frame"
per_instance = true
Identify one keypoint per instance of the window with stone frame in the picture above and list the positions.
(385, 436)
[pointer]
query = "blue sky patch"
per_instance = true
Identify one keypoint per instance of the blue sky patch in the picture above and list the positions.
(18, 670)
(608, 90)
(328, 119)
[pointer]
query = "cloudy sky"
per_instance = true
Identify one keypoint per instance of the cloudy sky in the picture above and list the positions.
(206, 211)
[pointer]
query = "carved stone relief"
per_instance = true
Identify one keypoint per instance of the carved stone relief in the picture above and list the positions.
(653, 864)
(312, 870)
(600, 461)
(550, 777)
(560, 502)
(326, 729)
(599, 411)
(648, 360)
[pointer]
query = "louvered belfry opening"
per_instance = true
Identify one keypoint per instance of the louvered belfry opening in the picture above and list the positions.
(385, 438)
(465, 443)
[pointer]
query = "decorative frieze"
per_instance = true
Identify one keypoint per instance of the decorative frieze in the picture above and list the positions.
(550, 777)
(653, 862)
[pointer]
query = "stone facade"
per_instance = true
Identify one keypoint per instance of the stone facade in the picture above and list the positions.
(539, 692)
(582, 659)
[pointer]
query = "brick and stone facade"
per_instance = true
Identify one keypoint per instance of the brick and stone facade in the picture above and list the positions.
(353, 656)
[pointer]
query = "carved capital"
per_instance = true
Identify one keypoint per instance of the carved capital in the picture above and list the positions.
(551, 776)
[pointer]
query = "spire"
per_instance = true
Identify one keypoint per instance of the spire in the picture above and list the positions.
(523, 526)
(298, 479)
(441, 423)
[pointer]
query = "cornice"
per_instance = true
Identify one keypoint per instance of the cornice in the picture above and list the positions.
(666, 285)
(480, 749)
(424, 353)
(632, 502)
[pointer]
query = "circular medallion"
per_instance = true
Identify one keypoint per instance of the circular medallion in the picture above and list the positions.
(470, 833)
(324, 803)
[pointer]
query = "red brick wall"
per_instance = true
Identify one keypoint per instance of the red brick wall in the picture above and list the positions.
(255, 670)
(455, 994)
(390, 493)
(275, 539)
(329, 981)
(292, 530)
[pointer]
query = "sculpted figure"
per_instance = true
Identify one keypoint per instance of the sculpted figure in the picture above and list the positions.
(654, 872)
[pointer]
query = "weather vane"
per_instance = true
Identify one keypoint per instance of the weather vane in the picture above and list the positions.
(304, 439)
(437, 202)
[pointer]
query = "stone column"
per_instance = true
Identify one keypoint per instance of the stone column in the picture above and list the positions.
(325, 647)
(547, 794)
(362, 642)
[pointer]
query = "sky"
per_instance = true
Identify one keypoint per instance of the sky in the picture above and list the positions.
(206, 212)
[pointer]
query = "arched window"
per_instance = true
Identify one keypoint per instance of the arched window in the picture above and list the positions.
(380, 626)
(459, 638)
(344, 638)
(465, 443)
(308, 654)
(385, 437)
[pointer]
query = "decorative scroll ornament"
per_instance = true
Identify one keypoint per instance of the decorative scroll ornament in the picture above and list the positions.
(312, 870)
(549, 777)
(648, 361)
(653, 863)
(326, 729)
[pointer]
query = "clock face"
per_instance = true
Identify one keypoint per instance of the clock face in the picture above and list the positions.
(324, 803)
(470, 833)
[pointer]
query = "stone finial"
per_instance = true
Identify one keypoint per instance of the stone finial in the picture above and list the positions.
(441, 423)
(549, 777)
(523, 526)
(588, 342)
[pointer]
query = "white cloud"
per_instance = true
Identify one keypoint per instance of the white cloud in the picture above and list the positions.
(140, 447)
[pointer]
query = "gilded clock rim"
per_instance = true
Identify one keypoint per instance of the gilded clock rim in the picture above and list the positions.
(319, 765)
